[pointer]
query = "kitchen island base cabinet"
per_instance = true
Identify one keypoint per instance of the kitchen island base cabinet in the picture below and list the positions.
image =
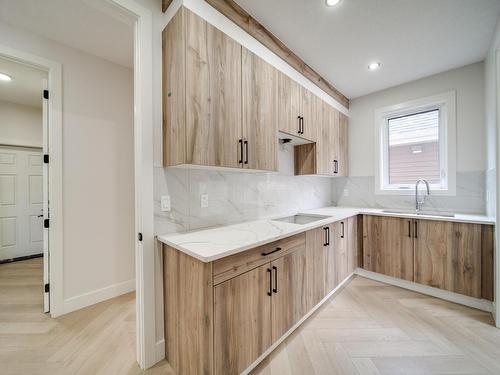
(221, 316)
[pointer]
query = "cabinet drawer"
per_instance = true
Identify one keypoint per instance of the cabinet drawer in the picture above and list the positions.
(234, 265)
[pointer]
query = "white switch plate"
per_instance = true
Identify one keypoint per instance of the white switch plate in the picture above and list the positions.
(165, 203)
(204, 200)
(346, 192)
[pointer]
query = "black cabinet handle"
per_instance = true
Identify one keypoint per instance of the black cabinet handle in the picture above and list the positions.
(300, 124)
(275, 289)
(246, 151)
(302, 118)
(270, 252)
(409, 228)
(342, 229)
(335, 166)
(270, 291)
(240, 161)
(326, 236)
(328, 232)
(416, 229)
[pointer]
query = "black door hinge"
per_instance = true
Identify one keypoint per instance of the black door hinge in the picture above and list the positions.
(46, 159)
(46, 223)
(47, 288)
(139, 237)
(45, 94)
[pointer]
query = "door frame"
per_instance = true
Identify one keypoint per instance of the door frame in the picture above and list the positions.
(146, 344)
(54, 72)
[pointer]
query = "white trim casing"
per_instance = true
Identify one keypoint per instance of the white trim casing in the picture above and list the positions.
(446, 102)
(55, 150)
(477, 303)
(143, 156)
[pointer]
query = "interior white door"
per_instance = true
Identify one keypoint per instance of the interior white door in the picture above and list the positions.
(21, 202)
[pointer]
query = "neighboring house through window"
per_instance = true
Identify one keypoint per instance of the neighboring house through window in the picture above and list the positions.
(416, 140)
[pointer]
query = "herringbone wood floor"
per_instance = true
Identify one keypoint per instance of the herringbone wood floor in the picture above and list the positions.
(369, 328)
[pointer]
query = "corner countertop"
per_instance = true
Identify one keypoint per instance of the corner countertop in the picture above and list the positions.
(211, 244)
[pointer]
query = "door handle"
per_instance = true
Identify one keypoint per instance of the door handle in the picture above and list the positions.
(302, 120)
(409, 228)
(326, 236)
(240, 161)
(416, 229)
(335, 166)
(270, 252)
(341, 229)
(270, 291)
(246, 151)
(300, 124)
(328, 231)
(275, 289)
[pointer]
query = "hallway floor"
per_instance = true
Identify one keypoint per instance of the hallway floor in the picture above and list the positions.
(368, 328)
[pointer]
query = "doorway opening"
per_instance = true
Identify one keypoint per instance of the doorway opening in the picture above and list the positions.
(24, 256)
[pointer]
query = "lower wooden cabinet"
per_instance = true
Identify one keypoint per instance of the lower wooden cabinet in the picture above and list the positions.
(453, 256)
(223, 315)
(388, 246)
(242, 308)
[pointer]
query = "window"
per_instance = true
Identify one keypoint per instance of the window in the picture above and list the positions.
(416, 140)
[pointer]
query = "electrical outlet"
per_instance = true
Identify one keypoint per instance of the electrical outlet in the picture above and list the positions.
(346, 192)
(165, 203)
(204, 200)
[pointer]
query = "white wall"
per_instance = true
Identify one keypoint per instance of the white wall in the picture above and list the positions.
(471, 130)
(20, 125)
(98, 176)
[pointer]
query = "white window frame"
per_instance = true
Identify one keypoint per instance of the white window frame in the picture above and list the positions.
(446, 103)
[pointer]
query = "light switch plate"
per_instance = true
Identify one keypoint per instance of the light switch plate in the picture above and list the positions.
(204, 200)
(346, 192)
(165, 203)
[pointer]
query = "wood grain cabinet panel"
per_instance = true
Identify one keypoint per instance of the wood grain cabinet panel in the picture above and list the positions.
(242, 312)
(309, 126)
(213, 95)
(289, 300)
(342, 145)
(317, 252)
(260, 116)
(340, 246)
(288, 105)
(353, 243)
(448, 256)
(388, 246)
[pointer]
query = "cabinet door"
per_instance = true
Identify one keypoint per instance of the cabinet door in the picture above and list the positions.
(388, 246)
(309, 127)
(317, 246)
(288, 105)
(289, 301)
(342, 146)
(448, 256)
(260, 131)
(331, 261)
(352, 244)
(340, 248)
(242, 328)
(324, 159)
(213, 95)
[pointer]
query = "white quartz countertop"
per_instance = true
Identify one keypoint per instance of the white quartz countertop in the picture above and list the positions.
(211, 244)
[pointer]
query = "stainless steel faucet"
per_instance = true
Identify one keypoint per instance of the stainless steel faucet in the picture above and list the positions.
(418, 202)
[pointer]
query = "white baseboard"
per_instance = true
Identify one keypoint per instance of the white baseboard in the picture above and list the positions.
(96, 296)
(160, 350)
(297, 325)
(477, 303)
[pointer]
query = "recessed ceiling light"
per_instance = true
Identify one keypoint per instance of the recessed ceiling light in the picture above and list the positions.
(5, 77)
(332, 3)
(374, 65)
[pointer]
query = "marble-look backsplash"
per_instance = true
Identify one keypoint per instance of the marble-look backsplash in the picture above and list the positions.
(470, 197)
(234, 196)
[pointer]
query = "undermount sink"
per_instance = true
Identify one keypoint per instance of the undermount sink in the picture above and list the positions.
(422, 213)
(301, 219)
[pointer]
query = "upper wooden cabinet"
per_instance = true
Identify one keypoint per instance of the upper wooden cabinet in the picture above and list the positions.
(219, 99)
(341, 146)
(260, 117)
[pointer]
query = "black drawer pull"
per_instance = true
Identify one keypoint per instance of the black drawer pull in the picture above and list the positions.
(270, 252)
(342, 229)
(275, 289)
(270, 291)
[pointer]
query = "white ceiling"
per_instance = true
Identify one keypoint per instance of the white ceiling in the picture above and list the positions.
(93, 26)
(26, 85)
(412, 38)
